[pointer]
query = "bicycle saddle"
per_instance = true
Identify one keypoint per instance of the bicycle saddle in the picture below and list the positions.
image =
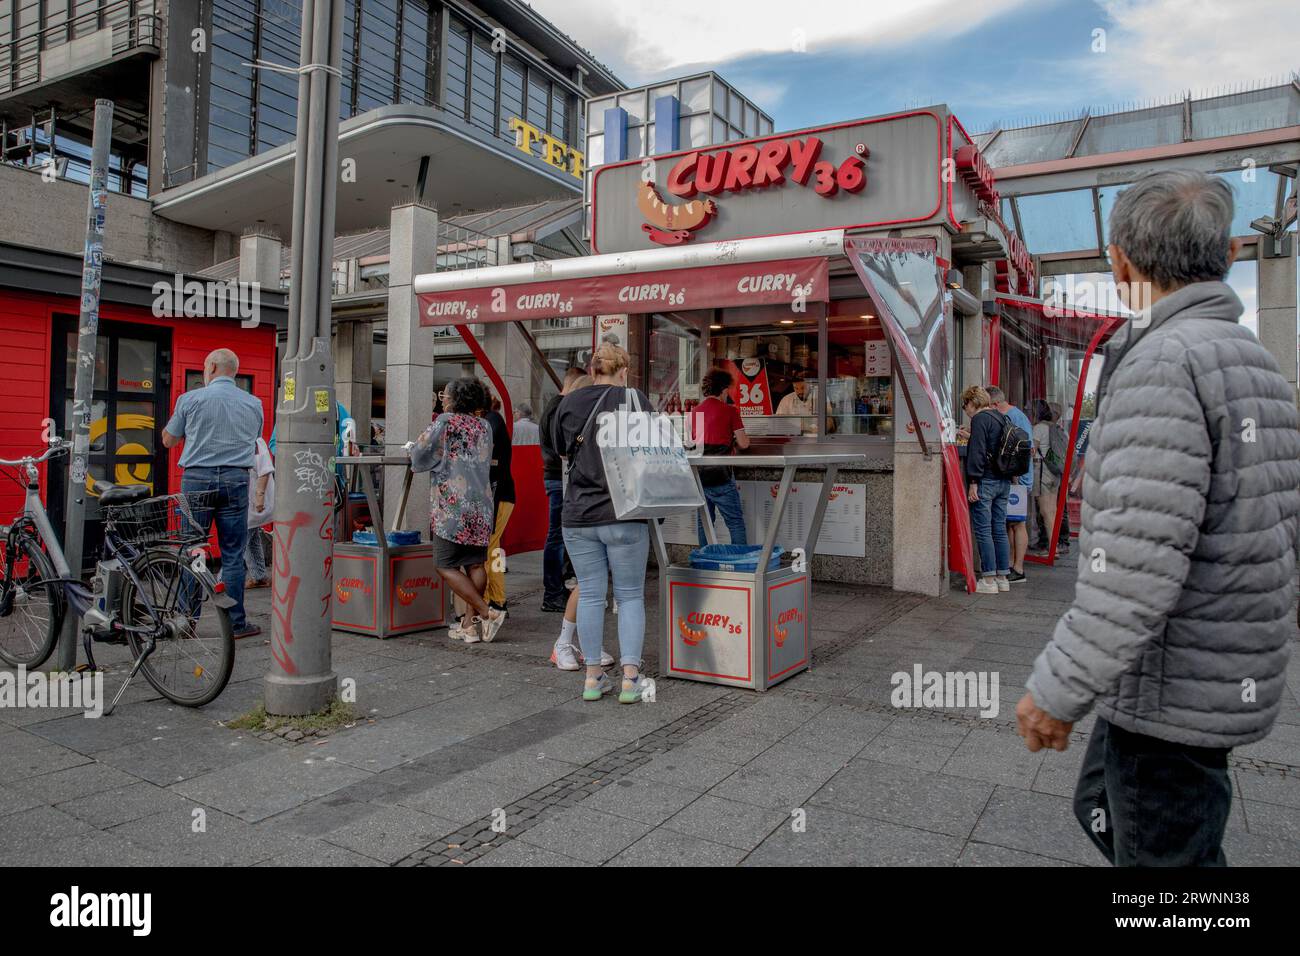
(111, 494)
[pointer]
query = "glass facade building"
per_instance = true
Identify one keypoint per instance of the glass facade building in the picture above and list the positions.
(394, 51)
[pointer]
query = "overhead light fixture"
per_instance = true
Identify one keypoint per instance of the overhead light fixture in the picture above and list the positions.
(787, 321)
(715, 327)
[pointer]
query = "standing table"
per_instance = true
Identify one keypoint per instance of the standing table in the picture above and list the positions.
(384, 590)
(749, 629)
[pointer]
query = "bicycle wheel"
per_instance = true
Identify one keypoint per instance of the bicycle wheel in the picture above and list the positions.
(30, 627)
(195, 651)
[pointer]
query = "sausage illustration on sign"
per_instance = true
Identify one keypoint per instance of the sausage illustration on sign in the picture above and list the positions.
(668, 224)
(690, 635)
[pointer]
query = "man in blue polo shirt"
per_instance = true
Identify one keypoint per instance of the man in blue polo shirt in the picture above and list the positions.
(220, 424)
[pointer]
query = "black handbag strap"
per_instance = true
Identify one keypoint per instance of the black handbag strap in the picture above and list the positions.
(575, 446)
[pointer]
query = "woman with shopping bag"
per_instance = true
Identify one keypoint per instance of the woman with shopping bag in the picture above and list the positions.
(623, 467)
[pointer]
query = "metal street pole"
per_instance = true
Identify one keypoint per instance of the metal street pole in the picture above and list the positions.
(83, 396)
(301, 678)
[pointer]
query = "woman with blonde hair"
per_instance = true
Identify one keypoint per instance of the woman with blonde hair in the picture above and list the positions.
(599, 544)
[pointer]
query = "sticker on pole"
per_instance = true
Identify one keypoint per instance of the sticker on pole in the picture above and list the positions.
(322, 400)
(288, 389)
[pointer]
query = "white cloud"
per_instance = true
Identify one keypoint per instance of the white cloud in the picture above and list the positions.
(1160, 48)
(640, 39)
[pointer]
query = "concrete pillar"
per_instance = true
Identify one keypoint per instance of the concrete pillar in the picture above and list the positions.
(409, 397)
(259, 259)
(353, 375)
(1277, 306)
(920, 544)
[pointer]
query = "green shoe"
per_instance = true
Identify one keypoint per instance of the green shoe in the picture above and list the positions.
(634, 689)
(597, 690)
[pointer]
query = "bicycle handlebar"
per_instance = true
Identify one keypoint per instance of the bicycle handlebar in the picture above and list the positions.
(56, 448)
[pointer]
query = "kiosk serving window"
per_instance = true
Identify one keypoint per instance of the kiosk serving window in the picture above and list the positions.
(825, 372)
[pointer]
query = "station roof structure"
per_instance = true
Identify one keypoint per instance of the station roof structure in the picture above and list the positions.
(1059, 179)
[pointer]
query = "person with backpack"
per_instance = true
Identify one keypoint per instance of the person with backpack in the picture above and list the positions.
(1018, 524)
(997, 451)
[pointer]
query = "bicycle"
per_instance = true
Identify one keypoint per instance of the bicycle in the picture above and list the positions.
(151, 591)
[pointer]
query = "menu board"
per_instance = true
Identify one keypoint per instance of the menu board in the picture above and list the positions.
(843, 528)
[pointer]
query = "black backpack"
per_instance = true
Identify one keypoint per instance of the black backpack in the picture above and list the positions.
(1009, 458)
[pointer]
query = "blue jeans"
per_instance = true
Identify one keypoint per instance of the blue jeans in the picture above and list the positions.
(231, 515)
(621, 548)
(724, 498)
(553, 591)
(988, 518)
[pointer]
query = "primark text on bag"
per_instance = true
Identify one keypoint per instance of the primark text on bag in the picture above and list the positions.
(646, 468)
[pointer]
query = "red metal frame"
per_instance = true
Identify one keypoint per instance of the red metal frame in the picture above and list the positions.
(507, 409)
(771, 625)
(794, 134)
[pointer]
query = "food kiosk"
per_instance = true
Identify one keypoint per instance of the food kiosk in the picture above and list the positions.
(828, 271)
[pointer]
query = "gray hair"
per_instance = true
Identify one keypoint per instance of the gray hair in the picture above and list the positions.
(524, 410)
(225, 361)
(1175, 226)
(996, 395)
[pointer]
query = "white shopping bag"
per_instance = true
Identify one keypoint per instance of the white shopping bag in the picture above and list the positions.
(645, 464)
(1018, 502)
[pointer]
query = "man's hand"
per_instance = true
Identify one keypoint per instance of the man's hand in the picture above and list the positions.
(1039, 728)
(973, 493)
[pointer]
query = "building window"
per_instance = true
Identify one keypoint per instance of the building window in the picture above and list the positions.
(483, 85)
(419, 65)
(539, 99)
(457, 68)
(512, 95)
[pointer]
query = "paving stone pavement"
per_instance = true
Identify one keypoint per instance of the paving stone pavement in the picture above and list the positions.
(485, 755)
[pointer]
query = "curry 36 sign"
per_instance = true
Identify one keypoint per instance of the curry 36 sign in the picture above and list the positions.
(871, 172)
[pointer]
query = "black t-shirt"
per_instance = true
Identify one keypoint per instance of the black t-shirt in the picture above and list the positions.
(503, 481)
(552, 467)
(586, 497)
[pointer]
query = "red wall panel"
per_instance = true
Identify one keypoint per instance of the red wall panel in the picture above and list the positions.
(26, 357)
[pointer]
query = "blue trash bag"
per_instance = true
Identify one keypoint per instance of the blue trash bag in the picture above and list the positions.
(395, 538)
(733, 557)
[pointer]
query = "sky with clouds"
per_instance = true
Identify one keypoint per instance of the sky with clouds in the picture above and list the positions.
(994, 61)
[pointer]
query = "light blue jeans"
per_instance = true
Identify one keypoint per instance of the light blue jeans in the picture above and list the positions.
(621, 549)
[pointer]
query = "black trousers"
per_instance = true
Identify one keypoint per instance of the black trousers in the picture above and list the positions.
(1150, 802)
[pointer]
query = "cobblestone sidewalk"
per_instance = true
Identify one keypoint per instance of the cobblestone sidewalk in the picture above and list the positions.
(486, 755)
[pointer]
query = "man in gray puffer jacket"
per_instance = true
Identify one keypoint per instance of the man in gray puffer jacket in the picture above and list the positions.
(1191, 505)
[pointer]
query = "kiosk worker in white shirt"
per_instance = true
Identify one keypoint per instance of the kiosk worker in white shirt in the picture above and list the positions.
(798, 403)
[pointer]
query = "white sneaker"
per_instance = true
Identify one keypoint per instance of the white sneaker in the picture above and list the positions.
(1002, 582)
(455, 632)
(489, 626)
(986, 586)
(470, 635)
(564, 657)
(606, 658)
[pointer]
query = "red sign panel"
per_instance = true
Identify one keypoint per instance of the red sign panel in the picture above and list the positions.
(778, 282)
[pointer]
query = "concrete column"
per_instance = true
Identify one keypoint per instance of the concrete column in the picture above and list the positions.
(409, 398)
(259, 259)
(920, 544)
(1277, 306)
(353, 375)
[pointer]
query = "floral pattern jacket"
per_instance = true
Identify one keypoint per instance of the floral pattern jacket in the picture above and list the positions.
(457, 451)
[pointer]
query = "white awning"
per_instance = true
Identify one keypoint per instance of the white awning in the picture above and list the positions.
(827, 244)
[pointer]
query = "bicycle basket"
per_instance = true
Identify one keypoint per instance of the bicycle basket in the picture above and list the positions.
(179, 519)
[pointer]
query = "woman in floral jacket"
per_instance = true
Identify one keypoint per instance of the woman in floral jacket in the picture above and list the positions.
(457, 450)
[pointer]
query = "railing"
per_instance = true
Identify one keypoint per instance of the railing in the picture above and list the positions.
(460, 247)
(132, 22)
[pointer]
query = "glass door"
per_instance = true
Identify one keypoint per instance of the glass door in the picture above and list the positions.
(129, 410)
